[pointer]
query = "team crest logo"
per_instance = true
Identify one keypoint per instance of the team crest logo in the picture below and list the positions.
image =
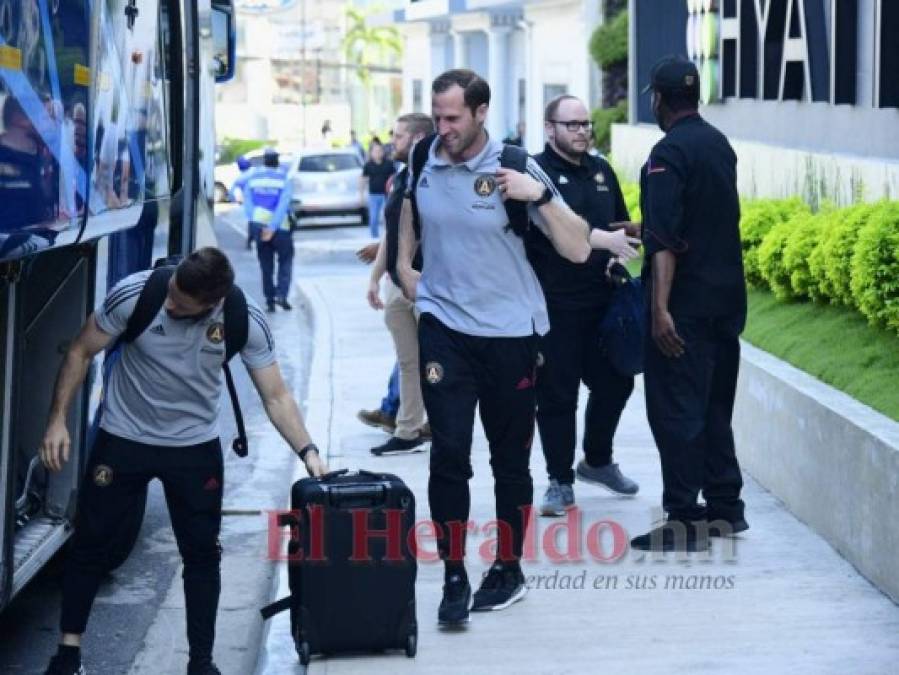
(485, 185)
(433, 372)
(102, 475)
(216, 333)
(599, 178)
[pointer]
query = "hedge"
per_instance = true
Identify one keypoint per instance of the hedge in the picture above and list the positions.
(758, 217)
(875, 267)
(847, 256)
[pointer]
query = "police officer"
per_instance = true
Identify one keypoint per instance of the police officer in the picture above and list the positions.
(160, 421)
(693, 271)
(481, 310)
(577, 296)
(268, 191)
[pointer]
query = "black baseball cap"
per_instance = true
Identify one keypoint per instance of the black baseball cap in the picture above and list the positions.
(673, 74)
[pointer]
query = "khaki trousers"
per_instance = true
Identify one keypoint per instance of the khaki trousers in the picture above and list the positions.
(402, 322)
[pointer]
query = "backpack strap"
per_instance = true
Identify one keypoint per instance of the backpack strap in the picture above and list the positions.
(419, 158)
(237, 326)
(237, 332)
(148, 303)
(516, 158)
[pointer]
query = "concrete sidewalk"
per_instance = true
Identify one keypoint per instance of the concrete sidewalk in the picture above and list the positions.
(776, 600)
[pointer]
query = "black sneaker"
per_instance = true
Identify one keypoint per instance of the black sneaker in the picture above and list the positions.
(725, 527)
(502, 586)
(270, 305)
(64, 666)
(284, 304)
(674, 535)
(398, 446)
(202, 668)
(456, 602)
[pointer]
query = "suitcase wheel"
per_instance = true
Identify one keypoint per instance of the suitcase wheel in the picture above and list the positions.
(305, 653)
(411, 645)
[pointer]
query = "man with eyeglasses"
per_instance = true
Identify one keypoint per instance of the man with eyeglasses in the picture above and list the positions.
(577, 297)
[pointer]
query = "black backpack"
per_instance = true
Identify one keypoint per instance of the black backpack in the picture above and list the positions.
(236, 322)
(512, 157)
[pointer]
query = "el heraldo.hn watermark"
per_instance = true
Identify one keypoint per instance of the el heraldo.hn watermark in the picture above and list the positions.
(380, 536)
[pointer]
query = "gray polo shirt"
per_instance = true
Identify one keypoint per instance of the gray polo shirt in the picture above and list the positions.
(166, 387)
(476, 277)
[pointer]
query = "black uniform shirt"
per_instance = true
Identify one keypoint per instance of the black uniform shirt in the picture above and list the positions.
(592, 191)
(378, 175)
(690, 204)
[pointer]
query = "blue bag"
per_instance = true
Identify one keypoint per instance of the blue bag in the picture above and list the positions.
(623, 328)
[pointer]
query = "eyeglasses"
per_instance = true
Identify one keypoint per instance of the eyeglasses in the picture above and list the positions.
(575, 125)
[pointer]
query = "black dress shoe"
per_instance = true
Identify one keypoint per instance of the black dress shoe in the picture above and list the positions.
(284, 304)
(674, 535)
(270, 305)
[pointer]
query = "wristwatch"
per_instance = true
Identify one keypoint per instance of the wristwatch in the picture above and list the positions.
(305, 451)
(545, 198)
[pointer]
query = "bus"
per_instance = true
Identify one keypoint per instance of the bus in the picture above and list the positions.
(106, 159)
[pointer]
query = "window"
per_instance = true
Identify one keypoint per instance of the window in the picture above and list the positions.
(551, 91)
(417, 96)
(329, 163)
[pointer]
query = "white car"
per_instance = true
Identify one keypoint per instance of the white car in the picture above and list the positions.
(326, 187)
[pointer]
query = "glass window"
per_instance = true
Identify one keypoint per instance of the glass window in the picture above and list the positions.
(329, 163)
(44, 81)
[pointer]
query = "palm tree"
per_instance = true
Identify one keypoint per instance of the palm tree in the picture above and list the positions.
(366, 46)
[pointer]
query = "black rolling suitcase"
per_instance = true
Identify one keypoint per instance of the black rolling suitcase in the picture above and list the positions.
(345, 597)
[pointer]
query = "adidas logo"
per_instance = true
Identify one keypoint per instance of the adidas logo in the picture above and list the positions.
(563, 180)
(158, 330)
(423, 182)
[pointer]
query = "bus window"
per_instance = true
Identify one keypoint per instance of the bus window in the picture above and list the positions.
(125, 95)
(44, 80)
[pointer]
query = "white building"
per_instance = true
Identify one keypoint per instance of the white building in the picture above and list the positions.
(290, 76)
(529, 51)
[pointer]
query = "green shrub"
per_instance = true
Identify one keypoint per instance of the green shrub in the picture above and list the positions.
(804, 239)
(608, 44)
(772, 268)
(875, 266)
(603, 119)
(758, 217)
(831, 262)
(631, 193)
(232, 148)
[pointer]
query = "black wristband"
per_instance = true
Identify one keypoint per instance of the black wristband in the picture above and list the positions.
(305, 451)
(545, 198)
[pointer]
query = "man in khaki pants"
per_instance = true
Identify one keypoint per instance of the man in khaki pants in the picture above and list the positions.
(399, 314)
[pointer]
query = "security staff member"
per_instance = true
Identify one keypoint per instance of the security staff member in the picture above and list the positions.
(481, 307)
(577, 296)
(268, 191)
(160, 420)
(697, 301)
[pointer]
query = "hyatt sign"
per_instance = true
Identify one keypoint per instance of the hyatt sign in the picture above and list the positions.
(803, 50)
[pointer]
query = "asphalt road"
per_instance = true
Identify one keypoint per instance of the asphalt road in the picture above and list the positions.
(129, 598)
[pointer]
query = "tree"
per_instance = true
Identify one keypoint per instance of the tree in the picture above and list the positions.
(365, 46)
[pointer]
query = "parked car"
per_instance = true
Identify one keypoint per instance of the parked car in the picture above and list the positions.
(326, 186)
(226, 174)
